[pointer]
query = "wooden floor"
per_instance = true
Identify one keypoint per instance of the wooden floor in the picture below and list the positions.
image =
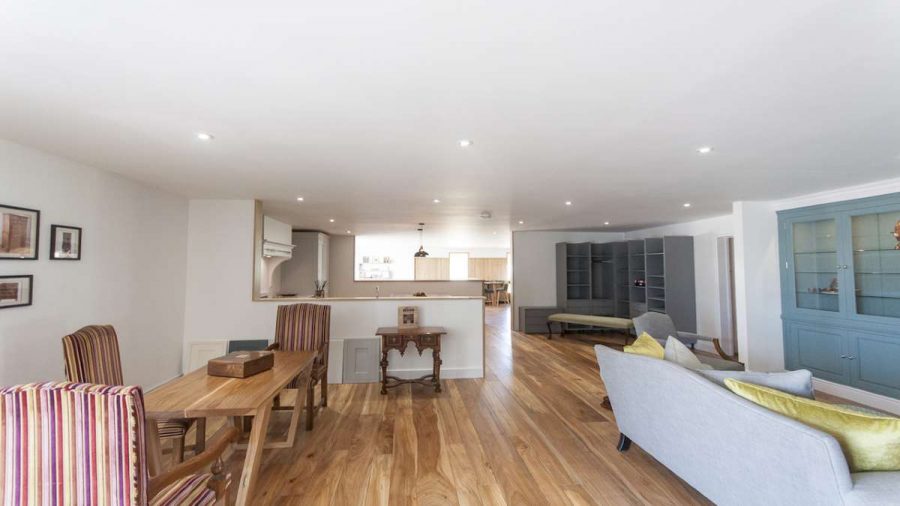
(531, 433)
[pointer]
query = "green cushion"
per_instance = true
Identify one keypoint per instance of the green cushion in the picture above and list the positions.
(610, 322)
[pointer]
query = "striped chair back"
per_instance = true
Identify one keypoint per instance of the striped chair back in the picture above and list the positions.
(72, 443)
(92, 356)
(303, 327)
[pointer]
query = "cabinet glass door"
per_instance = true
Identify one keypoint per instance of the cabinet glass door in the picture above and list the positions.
(816, 265)
(876, 263)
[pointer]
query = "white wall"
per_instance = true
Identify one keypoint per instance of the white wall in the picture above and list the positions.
(219, 304)
(131, 274)
(534, 264)
(706, 269)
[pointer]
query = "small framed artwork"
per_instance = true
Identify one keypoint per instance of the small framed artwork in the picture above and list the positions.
(65, 242)
(19, 233)
(16, 291)
(407, 317)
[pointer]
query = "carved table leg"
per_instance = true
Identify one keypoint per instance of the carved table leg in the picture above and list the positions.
(384, 364)
(436, 357)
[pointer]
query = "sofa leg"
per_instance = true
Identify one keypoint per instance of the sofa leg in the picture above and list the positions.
(624, 443)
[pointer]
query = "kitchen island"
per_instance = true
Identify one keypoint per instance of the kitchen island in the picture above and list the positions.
(354, 319)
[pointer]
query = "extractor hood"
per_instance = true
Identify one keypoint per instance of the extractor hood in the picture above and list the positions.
(273, 249)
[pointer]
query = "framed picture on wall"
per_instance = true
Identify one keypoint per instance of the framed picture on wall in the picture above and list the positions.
(407, 317)
(19, 233)
(16, 291)
(65, 242)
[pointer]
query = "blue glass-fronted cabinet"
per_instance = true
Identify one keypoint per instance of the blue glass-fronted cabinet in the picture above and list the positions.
(840, 288)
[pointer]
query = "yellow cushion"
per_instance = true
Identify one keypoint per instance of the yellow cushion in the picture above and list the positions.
(646, 345)
(870, 442)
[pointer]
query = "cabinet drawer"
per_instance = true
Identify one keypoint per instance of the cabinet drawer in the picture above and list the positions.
(392, 341)
(429, 340)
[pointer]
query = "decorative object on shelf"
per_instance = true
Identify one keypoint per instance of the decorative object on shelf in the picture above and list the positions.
(241, 364)
(832, 287)
(420, 294)
(16, 291)
(421, 253)
(640, 282)
(19, 233)
(407, 317)
(896, 234)
(320, 289)
(65, 242)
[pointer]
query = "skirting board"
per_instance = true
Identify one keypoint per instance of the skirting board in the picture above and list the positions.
(876, 401)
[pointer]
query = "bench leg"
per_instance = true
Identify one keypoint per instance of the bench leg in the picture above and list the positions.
(549, 331)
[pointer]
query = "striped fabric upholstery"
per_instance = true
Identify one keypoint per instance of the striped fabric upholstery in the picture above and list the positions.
(92, 356)
(304, 327)
(188, 491)
(70, 443)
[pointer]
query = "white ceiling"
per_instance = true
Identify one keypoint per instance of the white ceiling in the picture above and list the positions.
(358, 105)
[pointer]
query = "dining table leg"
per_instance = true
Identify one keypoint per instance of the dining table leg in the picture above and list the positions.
(154, 451)
(253, 459)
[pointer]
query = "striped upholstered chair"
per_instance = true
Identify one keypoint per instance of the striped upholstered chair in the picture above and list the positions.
(76, 443)
(306, 327)
(92, 356)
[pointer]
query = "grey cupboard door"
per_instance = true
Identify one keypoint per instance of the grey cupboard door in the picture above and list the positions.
(361, 360)
(821, 350)
(874, 362)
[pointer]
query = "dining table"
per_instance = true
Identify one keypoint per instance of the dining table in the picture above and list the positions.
(199, 395)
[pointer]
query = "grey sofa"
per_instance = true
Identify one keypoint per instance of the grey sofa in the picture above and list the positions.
(729, 449)
(660, 327)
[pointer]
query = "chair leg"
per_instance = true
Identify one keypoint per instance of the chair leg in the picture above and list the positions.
(325, 388)
(624, 443)
(178, 449)
(310, 404)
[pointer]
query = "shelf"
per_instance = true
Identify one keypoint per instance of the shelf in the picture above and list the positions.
(815, 272)
(656, 299)
(876, 250)
(859, 296)
(656, 275)
(819, 293)
(815, 252)
(634, 286)
(655, 253)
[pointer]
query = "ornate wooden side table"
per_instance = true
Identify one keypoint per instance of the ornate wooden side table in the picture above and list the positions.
(394, 338)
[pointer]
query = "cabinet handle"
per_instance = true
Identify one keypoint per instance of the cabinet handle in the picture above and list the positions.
(843, 356)
(851, 357)
(843, 267)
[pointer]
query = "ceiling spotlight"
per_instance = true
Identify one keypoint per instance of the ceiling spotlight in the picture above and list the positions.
(704, 150)
(606, 223)
(521, 222)
(464, 143)
(330, 220)
(204, 136)
(299, 199)
(349, 232)
(686, 204)
(437, 201)
(568, 202)
(485, 215)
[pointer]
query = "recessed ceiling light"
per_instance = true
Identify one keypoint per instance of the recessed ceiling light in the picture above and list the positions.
(464, 143)
(204, 136)
(704, 150)
(299, 199)
(521, 222)
(437, 201)
(686, 204)
(349, 232)
(331, 220)
(606, 223)
(568, 202)
(495, 233)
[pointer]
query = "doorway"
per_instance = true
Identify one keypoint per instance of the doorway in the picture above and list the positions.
(727, 312)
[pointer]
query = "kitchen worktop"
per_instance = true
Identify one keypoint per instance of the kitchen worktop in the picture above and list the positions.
(386, 297)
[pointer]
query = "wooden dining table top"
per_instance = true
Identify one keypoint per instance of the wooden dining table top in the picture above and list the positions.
(199, 395)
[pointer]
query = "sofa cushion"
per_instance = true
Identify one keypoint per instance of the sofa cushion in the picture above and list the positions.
(869, 442)
(680, 354)
(646, 345)
(797, 383)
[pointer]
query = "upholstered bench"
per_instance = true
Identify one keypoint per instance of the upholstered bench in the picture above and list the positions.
(605, 322)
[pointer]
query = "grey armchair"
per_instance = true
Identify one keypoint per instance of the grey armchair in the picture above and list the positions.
(660, 326)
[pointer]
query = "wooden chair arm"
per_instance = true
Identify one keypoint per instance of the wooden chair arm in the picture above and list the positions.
(718, 346)
(273, 347)
(214, 449)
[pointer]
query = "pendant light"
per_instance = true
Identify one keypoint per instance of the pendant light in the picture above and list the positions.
(421, 253)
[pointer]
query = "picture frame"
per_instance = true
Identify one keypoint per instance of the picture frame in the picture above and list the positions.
(407, 317)
(65, 242)
(19, 233)
(16, 291)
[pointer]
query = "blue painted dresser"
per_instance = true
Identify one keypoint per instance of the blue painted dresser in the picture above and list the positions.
(840, 292)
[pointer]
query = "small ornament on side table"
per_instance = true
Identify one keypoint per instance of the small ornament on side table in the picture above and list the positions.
(320, 289)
